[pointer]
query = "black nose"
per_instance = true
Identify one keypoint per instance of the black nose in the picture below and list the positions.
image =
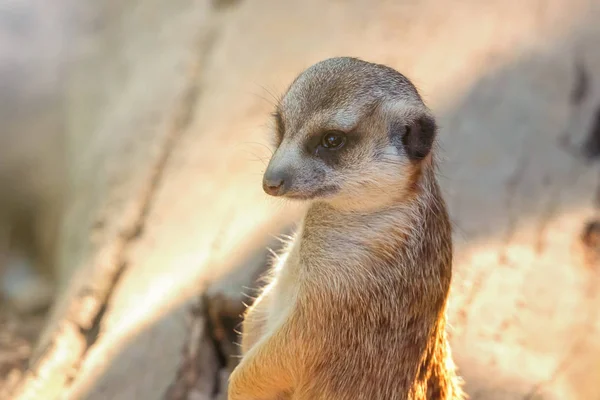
(273, 186)
(276, 183)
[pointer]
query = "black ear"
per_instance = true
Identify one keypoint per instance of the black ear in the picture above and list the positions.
(416, 137)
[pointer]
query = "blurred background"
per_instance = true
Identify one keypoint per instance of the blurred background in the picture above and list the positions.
(133, 137)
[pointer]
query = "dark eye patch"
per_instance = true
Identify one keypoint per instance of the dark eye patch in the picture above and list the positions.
(331, 156)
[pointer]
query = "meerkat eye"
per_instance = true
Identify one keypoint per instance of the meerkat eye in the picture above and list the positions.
(333, 140)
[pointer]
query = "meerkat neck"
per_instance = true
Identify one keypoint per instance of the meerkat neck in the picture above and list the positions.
(407, 245)
(396, 221)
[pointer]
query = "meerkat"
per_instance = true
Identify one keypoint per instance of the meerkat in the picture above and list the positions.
(356, 307)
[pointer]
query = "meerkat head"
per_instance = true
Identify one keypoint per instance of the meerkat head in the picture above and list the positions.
(349, 131)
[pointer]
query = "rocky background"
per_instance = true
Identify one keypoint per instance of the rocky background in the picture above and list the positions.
(133, 226)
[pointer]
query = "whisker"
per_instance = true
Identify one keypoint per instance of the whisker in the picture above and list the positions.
(272, 100)
(275, 98)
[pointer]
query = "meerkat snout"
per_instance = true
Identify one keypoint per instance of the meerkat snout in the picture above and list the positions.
(347, 130)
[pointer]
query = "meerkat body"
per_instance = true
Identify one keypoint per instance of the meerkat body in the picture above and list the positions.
(356, 305)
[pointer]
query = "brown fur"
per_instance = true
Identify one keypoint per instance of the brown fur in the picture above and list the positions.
(356, 306)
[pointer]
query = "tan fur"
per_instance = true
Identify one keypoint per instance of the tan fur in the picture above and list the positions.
(355, 308)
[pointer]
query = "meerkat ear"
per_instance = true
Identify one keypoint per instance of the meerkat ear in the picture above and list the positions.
(416, 137)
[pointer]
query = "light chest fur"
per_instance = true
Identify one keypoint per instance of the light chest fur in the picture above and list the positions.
(328, 254)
